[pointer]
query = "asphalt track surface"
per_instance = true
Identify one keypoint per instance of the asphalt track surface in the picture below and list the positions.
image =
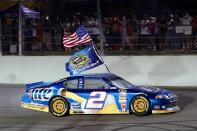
(15, 118)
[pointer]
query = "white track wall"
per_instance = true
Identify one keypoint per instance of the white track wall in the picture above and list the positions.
(140, 70)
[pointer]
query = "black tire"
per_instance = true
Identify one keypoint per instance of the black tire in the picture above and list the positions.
(140, 105)
(59, 106)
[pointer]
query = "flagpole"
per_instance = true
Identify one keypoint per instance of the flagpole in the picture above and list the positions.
(107, 68)
(100, 26)
(1, 39)
(20, 27)
(101, 58)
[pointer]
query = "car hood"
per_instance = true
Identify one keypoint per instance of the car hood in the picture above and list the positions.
(152, 90)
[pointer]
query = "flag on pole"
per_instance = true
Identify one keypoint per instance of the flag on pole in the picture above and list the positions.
(85, 59)
(29, 13)
(77, 38)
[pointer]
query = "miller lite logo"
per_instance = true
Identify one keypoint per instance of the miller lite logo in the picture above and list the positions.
(42, 94)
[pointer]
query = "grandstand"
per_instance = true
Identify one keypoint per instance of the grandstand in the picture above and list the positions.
(129, 27)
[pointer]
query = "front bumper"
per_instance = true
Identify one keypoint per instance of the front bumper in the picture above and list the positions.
(167, 110)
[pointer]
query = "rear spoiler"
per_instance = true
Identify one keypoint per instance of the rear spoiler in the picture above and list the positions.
(33, 85)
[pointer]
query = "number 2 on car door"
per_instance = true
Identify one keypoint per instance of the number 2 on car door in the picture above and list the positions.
(96, 100)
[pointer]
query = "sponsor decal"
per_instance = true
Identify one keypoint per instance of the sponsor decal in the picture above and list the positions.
(30, 93)
(150, 89)
(78, 111)
(42, 94)
(80, 83)
(157, 107)
(80, 61)
(123, 99)
(34, 106)
(75, 106)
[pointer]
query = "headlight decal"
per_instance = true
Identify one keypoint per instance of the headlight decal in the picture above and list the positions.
(162, 97)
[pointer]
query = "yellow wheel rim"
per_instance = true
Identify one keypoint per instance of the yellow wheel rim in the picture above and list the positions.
(140, 105)
(59, 106)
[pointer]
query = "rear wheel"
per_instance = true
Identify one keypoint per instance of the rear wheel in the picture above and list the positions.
(140, 105)
(59, 106)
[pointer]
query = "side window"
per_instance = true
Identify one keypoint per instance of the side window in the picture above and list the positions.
(92, 83)
(71, 84)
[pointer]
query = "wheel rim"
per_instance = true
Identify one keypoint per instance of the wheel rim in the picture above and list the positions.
(59, 106)
(140, 105)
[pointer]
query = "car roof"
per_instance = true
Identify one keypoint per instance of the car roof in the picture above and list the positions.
(96, 75)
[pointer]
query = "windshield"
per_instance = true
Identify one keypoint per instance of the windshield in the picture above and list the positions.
(121, 83)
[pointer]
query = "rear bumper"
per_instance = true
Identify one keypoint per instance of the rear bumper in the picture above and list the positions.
(167, 110)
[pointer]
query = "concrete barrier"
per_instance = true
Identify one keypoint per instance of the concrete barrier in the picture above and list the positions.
(140, 70)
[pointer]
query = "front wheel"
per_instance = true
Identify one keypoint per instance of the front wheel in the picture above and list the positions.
(140, 105)
(59, 106)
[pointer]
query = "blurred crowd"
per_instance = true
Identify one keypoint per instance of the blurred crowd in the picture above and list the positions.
(164, 32)
(123, 32)
(47, 34)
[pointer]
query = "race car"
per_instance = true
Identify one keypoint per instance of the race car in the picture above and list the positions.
(103, 93)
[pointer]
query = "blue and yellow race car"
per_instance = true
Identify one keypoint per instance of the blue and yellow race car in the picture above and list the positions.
(97, 94)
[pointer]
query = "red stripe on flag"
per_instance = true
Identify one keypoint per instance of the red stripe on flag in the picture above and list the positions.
(73, 39)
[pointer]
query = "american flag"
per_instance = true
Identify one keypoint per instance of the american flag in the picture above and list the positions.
(77, 38)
